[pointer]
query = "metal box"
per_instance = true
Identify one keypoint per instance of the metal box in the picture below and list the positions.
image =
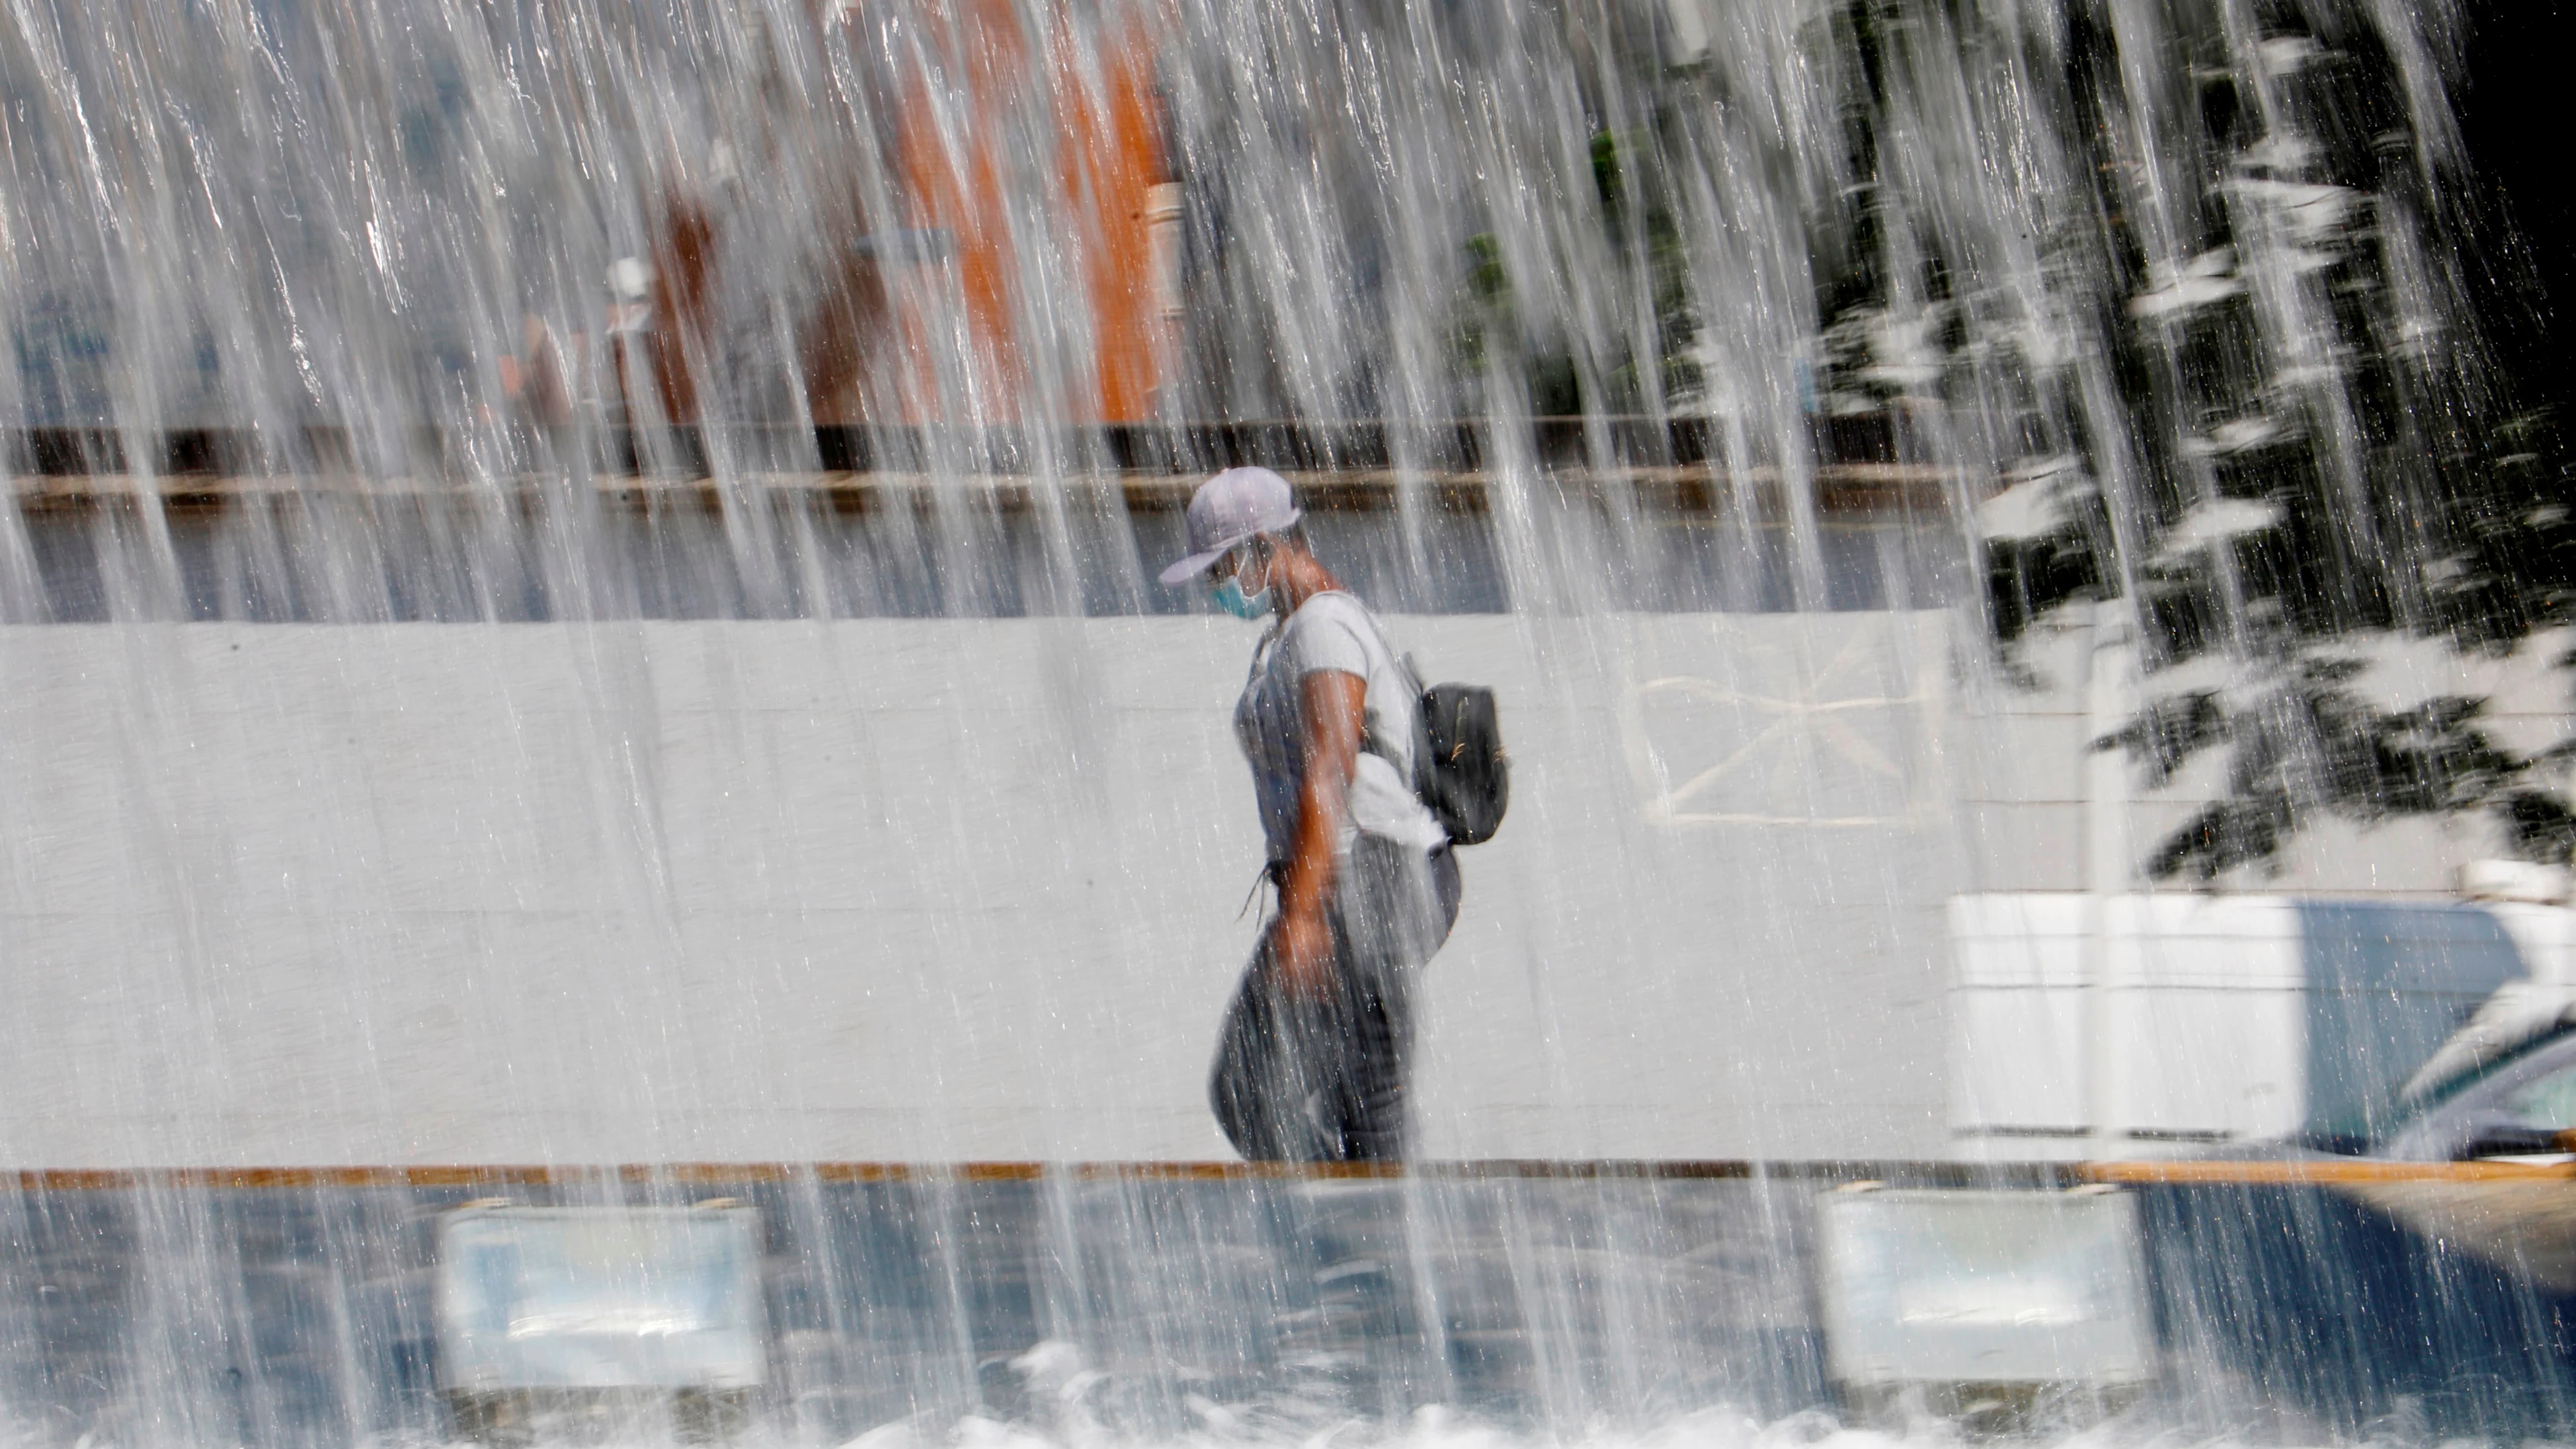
(1949, 1287)
(599, 1298)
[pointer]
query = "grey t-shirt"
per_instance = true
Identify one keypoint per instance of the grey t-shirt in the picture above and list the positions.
(1332, 631)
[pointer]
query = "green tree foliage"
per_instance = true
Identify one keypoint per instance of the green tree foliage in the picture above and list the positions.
(2310, 441)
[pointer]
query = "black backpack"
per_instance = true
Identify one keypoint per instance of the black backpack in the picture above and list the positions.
(1459, 768)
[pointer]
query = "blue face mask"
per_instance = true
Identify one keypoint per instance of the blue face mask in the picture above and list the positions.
(1231, 597)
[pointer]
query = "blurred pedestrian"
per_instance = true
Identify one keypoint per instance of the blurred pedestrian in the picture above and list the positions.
(1313, 1057)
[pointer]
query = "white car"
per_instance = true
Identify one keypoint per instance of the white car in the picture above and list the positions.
(2519, 1104)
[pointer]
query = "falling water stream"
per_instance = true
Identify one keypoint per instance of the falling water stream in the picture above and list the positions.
(576, 589)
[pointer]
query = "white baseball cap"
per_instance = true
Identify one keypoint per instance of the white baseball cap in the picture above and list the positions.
(1230, 508)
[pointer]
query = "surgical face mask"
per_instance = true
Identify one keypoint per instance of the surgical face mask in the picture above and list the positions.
(1231, 597)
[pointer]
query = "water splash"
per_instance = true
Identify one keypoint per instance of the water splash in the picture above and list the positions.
(484, 311)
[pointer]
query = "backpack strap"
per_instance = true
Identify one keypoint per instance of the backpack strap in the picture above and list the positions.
(1373, 741)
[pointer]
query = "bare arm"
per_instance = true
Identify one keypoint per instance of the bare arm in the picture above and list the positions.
(1336, 711)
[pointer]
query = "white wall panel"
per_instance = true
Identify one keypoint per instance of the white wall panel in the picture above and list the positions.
(951, 889)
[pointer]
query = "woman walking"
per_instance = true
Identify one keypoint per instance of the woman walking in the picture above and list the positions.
(1311, 1062)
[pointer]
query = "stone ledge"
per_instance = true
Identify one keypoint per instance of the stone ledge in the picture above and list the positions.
(1864, 489)
(1454, 445)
